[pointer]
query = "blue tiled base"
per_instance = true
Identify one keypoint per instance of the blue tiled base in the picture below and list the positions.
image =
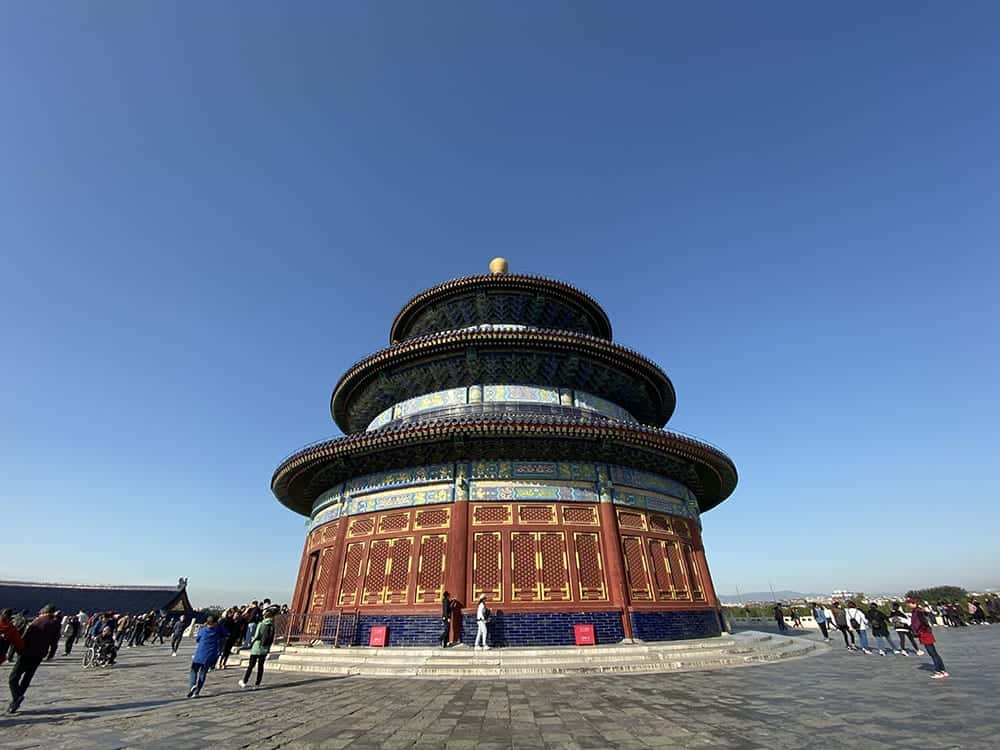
(675, 626)
(525, 628)
(543, 628)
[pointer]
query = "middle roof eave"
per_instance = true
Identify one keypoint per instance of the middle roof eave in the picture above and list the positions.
(527, 357)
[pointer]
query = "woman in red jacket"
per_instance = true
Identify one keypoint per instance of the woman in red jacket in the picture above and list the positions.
(920, 624)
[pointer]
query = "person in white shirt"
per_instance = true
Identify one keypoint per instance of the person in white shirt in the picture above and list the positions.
(859, 624)
(481, 616)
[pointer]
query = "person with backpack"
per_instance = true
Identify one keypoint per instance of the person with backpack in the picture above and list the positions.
(901, 623)
(880, 631)
(482, 617)
(840, 621)
(859, 624)
(921, 625)
(260, 646)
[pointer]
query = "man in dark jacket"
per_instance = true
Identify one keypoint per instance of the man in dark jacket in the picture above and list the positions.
(40, 641)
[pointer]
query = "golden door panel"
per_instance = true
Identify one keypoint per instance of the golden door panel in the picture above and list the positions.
(589, 567)
(378, 558)
(430, 568)
(635, 568)
(487, 576)
(397, 577)
(553, 566)
(678, 576)
(350, 581)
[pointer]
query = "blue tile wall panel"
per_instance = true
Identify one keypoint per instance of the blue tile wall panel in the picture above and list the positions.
(543, 628)
(525, 628)
(674, 626)
(403, 630)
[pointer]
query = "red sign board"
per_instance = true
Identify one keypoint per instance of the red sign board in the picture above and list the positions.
(377, 636)
(584, 635)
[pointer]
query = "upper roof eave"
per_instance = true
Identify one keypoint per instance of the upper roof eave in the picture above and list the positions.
(404, 317)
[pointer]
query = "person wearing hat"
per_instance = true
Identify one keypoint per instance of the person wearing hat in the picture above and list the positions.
(260, 646)
(482, 617)
(40, 640)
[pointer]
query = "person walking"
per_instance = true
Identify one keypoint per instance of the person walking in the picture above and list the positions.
(177, 635)
(840, 621)
(482, 617)
(253, 617)
(72, 633)
(40, 640)
(859, 624)
(230, 621)
(210, 639)
(901, 623)
(819, 615)
(921, 625)
(10, 635)
(779, 617)
(260, 646)
(445, 619)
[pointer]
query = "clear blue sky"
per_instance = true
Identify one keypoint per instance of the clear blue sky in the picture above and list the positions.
(208, 211)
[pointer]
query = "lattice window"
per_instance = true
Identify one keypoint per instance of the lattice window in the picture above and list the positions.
(524, 567)
(675, 566)
(491, 515)
(682, 528)
(354, 557)
(553, 573)
(659, 523)
(580, 515)
(361, 526)
(537, 514)
(323, 577)
(486, 565)
(374, 587)
(661, 569)
(397, 583)
(431, 567)
(432, 518)
(393, 522)
(635, 567)
(697, 592)
(629, 520)
(589, 567)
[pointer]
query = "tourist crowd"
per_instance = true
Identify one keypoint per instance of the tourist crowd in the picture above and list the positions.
(913, 626)
(27, 642)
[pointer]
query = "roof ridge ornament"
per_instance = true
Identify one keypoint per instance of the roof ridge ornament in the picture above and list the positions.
(499, 267)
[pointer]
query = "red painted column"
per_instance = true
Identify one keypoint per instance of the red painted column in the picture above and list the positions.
(457, 556)
(611, 546)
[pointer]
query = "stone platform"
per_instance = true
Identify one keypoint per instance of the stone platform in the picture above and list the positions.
(517, 663)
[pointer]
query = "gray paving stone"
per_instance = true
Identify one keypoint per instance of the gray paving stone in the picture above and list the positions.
(836, 699)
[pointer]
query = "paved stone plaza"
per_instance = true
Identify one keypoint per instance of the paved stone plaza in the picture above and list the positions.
(830, 700)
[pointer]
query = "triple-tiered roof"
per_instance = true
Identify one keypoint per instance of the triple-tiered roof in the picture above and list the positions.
(502, 329)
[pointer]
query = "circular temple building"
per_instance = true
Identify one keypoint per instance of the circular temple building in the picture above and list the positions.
(504, 445)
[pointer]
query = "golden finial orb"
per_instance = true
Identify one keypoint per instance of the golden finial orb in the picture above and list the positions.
(498, 266)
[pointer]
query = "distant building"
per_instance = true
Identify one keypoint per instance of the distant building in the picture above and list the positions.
(843, 596)
(70, 597)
